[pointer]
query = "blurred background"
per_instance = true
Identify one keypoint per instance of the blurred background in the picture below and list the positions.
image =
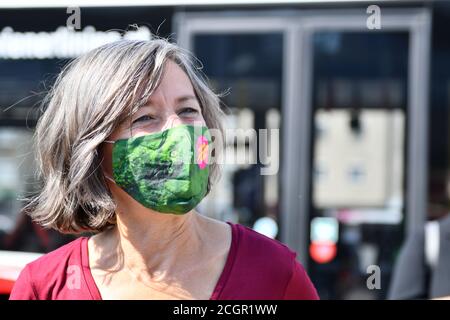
(360, 93)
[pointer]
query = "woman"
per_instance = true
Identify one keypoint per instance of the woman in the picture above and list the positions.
(123, 152)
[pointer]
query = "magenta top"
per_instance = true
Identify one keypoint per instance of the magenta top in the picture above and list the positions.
(257, 268)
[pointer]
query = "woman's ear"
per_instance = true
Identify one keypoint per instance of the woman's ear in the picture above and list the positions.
(104, 152)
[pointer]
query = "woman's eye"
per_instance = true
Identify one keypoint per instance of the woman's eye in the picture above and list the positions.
(189, 110)
(143, 118)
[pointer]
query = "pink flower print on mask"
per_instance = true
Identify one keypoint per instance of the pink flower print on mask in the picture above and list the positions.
(202, 151)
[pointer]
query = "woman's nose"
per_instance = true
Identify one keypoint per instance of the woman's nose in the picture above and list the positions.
(172, 121)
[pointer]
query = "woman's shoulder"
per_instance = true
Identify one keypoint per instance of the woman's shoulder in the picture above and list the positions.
(262, 267)
(247, 243)
(69, 253)
(253, 243)
(262, 256)
(46, 277)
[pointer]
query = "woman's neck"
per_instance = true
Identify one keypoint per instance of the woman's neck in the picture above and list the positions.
(153, 243)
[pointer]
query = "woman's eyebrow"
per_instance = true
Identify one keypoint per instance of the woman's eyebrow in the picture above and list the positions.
(186, 97)
(178, 100)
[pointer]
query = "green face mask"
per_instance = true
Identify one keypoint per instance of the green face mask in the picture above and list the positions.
(165, 171)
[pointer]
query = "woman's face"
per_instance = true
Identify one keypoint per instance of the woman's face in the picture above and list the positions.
(173, 103)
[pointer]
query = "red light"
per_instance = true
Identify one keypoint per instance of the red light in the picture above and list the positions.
(6, 286)
(322, 251)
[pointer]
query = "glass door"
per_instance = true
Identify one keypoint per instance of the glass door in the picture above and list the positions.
(356, 127)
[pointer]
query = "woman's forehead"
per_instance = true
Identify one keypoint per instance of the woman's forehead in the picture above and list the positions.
(174, 85)
(175, 78)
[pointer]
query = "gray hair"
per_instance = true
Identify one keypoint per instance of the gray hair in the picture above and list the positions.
(92, 95)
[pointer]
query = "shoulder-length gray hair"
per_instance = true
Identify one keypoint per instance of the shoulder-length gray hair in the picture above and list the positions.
(91, 96)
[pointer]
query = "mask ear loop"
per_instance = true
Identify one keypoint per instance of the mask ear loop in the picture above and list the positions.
(107, 176)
